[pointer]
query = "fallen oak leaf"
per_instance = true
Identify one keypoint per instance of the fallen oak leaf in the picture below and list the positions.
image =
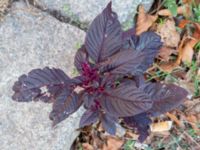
(178, 60)
(165, 52)
(169, 35)
(187, 50)
(144, 20)
(113, 143)
(187, 44)
(161, 126)
(168, 67)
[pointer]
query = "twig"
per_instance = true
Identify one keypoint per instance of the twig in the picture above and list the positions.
(185, 133)
(160, 4)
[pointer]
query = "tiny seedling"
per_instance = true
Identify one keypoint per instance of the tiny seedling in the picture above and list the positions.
(111, 84)
(192, 133)
(161, 21)
(78, 45)
(129, 145)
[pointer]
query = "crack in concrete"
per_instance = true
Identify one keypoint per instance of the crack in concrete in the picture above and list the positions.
(56, 14)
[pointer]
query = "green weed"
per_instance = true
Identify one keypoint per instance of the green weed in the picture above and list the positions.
(172, 6)
(78, 45)
(129, 145)
(196, 11)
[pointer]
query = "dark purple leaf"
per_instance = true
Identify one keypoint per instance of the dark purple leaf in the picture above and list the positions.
(78, 80)
(128, 34)
(88, 100)
(44, 84)
(165, 97)
(125, 62)
(125, 100)
(108, 123)
(136, 59)
(80, 58)
(139, 80)
(66, 104)
(104, 37)
(150, 43)
(141, 122)
(89, 117)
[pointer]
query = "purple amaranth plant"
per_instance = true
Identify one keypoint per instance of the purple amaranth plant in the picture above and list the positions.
(111, 64)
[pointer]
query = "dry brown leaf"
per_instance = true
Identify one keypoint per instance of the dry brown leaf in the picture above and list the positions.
(190, 104)
(180, 47)
(187, 50)
(183, 23)
(193, 107)
(87, 146)
(191, 1)
(162, 134)
(192, 120)
(196, 108)
(175, 119)
(181, 10)
(189, 86)
(168, 67)
(161, 126)
(165, 52)
(144, 20)
(187, 1)
(132, 135)
(113, 144)
(168, 33)
(180, 74)
(196, 34)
